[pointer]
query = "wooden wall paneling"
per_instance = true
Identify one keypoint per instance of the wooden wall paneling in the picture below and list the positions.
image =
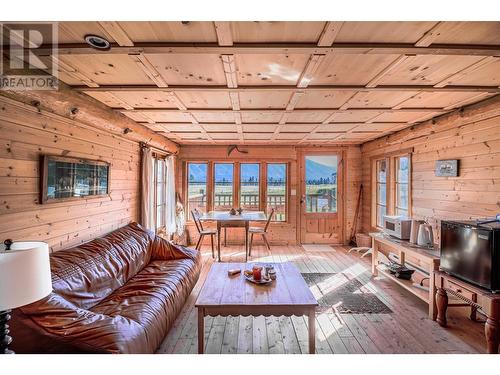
(473, 137)
(27, 133)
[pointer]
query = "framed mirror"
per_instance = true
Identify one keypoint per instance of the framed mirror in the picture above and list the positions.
(65, 178)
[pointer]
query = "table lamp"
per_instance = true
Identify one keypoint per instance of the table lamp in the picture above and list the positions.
(24, 278)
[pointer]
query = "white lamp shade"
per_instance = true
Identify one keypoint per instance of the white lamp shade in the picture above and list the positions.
(24, 274)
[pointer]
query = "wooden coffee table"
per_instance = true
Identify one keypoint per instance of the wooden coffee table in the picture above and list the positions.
(233, 296)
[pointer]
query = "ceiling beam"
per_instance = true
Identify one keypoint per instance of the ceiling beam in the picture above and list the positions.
(145, 65)
(223, 31)
(264, 125)
(276, 48)
(311, 68)
(229, 66)
(92, 112)
(113, 29)
(173, 88)
(267, 110)
(329, 33)
(430, 36)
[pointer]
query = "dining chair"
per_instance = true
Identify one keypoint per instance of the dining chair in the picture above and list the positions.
(203, 232)
(262, 231)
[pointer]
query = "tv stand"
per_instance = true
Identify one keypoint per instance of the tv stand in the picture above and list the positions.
(479, 299)
(424, 260)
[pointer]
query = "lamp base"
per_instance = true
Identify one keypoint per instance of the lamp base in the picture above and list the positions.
(5, 339)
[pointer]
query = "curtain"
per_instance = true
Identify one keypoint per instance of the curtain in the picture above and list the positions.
(147, 189)
(170, 212)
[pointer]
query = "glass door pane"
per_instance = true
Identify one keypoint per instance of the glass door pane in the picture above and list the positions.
(321, 183)
(276, 190)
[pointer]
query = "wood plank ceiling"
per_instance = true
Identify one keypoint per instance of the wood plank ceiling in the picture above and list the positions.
(282, 82)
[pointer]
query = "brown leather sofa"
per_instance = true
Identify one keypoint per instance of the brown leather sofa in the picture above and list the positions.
(116, 294)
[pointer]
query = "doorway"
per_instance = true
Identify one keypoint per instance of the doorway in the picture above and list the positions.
(321, 199)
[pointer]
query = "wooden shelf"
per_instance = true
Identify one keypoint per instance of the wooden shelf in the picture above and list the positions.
(407, 284)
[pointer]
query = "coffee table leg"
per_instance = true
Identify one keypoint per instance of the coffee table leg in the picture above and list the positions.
(201, 331)
(312, 331)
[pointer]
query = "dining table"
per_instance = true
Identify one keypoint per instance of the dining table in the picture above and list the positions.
(225, 219)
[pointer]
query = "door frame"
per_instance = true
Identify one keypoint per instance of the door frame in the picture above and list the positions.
(301, 218)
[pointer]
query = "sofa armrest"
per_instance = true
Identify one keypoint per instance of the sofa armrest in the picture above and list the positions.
(64, 328)
(167, 250)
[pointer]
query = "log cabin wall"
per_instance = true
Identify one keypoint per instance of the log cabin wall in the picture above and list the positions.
(471, 135)
(26, 133)
(285, 232)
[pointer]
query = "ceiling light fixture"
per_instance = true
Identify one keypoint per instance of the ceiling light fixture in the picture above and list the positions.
(97, 42)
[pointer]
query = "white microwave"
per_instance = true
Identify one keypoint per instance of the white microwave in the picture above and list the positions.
(397, 226)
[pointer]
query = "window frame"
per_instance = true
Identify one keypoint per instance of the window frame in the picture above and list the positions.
(396, 183)
(236, 182)
(156, 158)
(391, 184)
(376, 186)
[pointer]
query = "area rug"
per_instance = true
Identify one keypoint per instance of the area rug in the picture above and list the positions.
(347, 296)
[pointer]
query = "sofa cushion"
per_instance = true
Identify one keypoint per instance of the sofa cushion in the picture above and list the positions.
(86, 274)
(154, 297)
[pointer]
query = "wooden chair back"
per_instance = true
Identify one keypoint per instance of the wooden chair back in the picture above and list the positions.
(196, 217)
(269, 220)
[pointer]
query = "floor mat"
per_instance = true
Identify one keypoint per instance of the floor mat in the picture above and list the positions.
(347, 296)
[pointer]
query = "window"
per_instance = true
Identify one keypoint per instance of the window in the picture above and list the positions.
(211, 186)
(381, 201)
(160, 189)
(402, 181)
(197, 186)
(223, 186)
(321, 183)
(276, 190)
(249, 186)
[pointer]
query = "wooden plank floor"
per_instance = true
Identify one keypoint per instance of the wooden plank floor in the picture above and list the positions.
(406, 330)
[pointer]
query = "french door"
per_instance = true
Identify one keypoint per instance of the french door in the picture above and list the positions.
(321, 198)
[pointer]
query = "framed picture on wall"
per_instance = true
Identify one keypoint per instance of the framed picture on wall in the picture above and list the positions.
(65, 178)
(446, 168)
